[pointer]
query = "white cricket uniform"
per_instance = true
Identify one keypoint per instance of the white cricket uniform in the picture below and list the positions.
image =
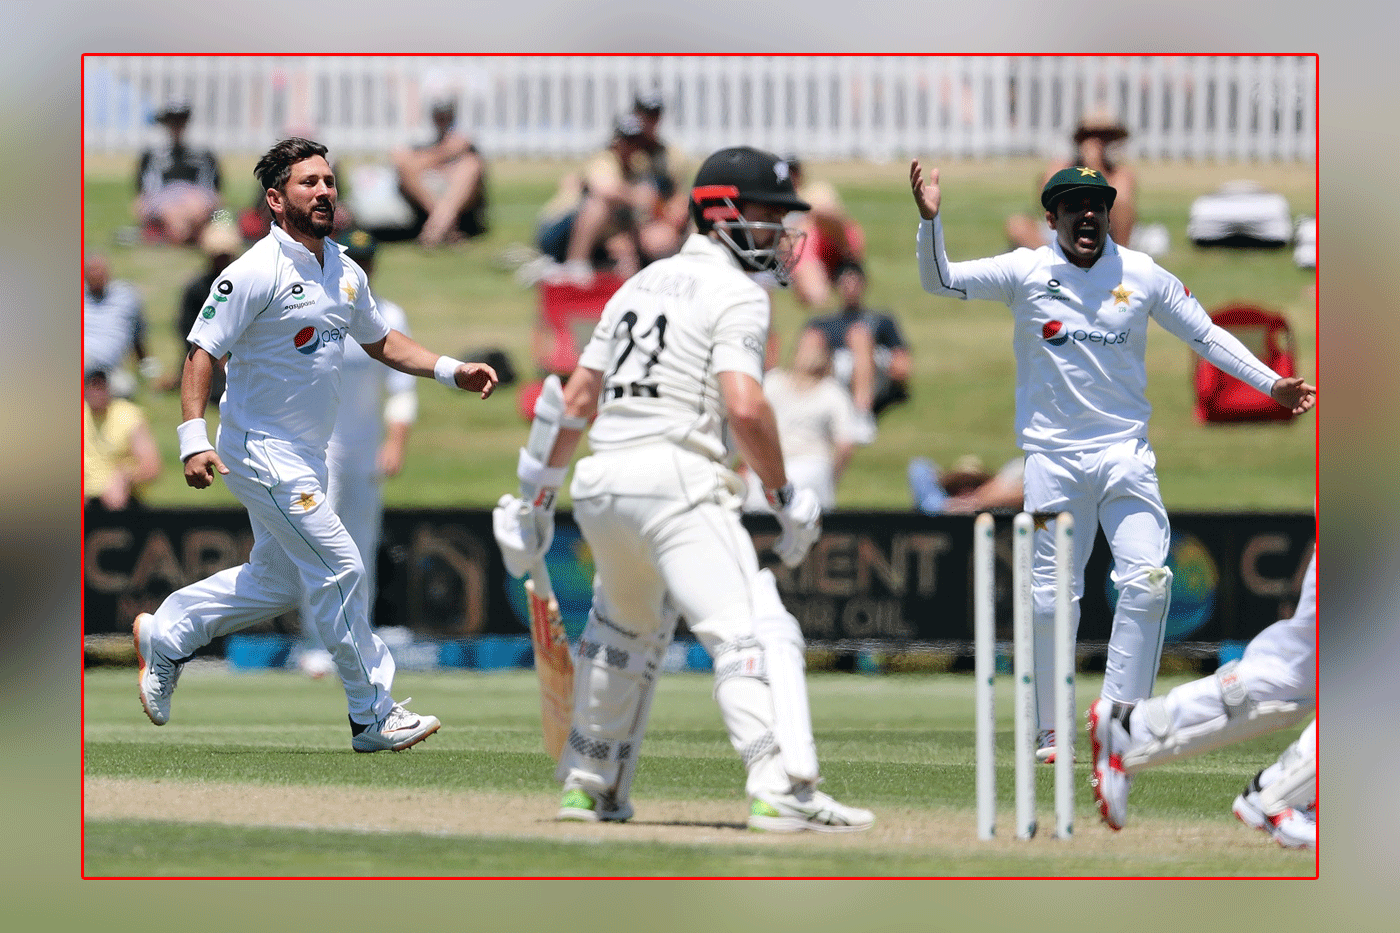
(355, 487)
(813, 418)
(656, 502)
(1081, 417)
(1278, 665)
(284, 318)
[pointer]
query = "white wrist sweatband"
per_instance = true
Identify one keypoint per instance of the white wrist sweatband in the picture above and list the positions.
(446, 371)
(194, 438)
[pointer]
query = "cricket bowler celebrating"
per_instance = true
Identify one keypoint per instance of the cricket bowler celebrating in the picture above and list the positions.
(675, 359)
(1081, 307)
(282, 313)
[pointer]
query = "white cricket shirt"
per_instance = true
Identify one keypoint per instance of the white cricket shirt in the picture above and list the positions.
(1081, 335)
(364, 384)
(284, 318)
(664, 338)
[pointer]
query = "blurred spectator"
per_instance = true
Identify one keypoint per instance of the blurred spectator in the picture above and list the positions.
(378, 406)
(816, 425)
(1097, 141)
(603, 218)
(120, 458)
(221, 245)
(967, 487)
(114, 327)
(177, 185)
(663, 168)
(869, 355)
(833, 238)
(444, 180)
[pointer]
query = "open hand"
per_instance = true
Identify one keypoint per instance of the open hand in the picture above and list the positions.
(927, 196)
(1294, 394)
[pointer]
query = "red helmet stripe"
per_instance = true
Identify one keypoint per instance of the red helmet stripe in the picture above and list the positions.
(711, 192)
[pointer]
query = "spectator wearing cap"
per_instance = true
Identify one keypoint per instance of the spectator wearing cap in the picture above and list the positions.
(221, 244)
(368, 444)
(1096, 144)
(444, 180)
(832, 237)
(868, 351)
(177, 185)
(602, 217)
(120, 457)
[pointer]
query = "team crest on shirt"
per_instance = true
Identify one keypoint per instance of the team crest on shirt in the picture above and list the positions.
(350, 291)
(304, 501)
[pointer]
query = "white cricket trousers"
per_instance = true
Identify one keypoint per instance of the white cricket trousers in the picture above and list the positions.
(355, 491)
(300, 547)
(1279, 664)
(1115, 488)
(662, 520)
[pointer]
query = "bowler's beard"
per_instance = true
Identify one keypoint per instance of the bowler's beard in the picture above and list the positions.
(308, 223)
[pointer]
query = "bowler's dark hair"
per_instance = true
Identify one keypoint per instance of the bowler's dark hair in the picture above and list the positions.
(275, 167)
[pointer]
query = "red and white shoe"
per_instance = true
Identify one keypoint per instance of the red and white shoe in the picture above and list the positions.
(1292, 829)
(1109, 781)
(1045, 747)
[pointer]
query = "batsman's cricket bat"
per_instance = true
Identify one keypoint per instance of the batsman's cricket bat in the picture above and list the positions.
(552, 661)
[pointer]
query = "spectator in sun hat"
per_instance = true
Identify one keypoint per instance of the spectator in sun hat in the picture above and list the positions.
(444, 180)
(602, 217)
(177, 185)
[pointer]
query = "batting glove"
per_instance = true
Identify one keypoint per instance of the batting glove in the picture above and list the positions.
(800, 516)
(523, 532)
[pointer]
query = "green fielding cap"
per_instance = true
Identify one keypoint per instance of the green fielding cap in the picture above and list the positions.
(1071, 179)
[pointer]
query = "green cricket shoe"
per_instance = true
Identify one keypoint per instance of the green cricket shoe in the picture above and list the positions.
(579, 806)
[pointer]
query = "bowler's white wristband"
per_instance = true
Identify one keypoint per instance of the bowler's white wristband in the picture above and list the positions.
(194, 438)
(446, 371)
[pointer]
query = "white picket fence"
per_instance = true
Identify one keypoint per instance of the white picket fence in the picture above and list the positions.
(1220, 108)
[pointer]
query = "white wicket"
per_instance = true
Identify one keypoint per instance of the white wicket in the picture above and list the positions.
(1023, 670)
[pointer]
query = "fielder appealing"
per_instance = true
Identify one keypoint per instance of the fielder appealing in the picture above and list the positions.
(1081, 307)
(676, 357)
(1272, 686)
(282, 313)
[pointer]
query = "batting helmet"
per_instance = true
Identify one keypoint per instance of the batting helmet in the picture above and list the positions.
(742, 175)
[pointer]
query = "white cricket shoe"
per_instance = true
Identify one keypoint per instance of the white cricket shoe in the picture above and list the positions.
(1109, 781)
(1292, 829)
(395, 732)
(804, 809)
(1045, 747)
(580, 806)
(157, 675)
